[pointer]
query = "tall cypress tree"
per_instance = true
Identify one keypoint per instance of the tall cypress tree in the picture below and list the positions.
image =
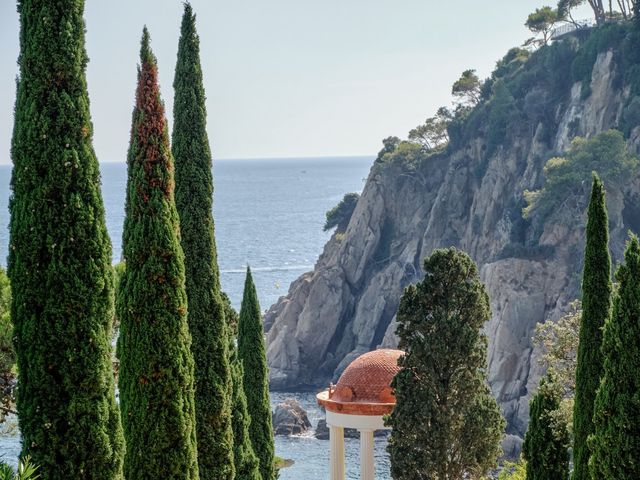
(252, 353)
(194, 190)
(546, 443)
(156, 365)
(244, 458)
(60, 256)
(615, 444)
(596, 309)
(446, 424)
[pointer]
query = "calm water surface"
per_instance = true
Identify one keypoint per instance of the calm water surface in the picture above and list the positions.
(269, 214)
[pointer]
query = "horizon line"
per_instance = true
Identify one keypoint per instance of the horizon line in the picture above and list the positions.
(240, 159)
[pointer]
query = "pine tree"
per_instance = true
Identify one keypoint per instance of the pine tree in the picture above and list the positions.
(252, 353)
(596, 308)
(194, 190)
(446, 424)
(156, 365)
(615, 444)
(60, 256)
(546, 443)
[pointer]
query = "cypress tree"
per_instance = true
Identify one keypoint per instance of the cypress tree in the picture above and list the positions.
(546, 443)
(60, 256)
(446, 424)
(194, 190)
(615, 444)
(244, 458)
(252, 353)
(596, 308)
(156, 365)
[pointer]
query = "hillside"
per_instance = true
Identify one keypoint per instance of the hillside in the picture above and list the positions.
(471, 195)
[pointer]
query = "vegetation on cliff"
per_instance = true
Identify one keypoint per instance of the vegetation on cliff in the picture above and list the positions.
(193, 196)
(60, 256)
(340, 215)
(446, 423)
(156, 365)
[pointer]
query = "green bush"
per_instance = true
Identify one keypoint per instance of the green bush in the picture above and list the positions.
(26, 471)
(565, 176)
(340, 215)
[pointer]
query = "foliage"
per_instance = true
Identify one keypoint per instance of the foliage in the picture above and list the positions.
(194, 202)
(7, 352)
(60, 256)
(503, 111)
(513, 471)
(615, 442)
(546, 443)
(542, 22)
(565, 177)
(467, 89)
(26, 471)
(558, 342)
(446, 424)
(252, 353)
(389, 145)
(596, 309)
(340, 215)
(156, 366)
(433, 134)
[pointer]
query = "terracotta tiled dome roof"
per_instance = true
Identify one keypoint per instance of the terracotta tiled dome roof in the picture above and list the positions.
(368, 378)
(365, 385)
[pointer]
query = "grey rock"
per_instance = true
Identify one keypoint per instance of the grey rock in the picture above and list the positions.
(289, 418)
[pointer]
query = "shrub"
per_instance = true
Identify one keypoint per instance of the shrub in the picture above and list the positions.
(340, 215)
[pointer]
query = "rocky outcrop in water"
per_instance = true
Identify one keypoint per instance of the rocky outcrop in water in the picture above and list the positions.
(289, 418)
(472, 199)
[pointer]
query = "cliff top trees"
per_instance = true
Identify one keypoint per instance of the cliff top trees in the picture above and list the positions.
(616, 440)
(542, 21)
(194, 190)
(251, 351)
(156, 366)
(596, 309)
(445, 424)
(60, 255)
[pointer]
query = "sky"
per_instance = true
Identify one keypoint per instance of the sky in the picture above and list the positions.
(285, 78)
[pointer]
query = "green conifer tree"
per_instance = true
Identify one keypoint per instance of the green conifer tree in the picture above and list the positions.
(252, 353)
(60, 256)
(546, 443)
(615, 444)
(194, 190)
(244, 458)
(446, 424)
(596, 308)
(156, 365)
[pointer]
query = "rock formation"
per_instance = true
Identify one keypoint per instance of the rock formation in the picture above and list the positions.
(472, 200)
(289, 418)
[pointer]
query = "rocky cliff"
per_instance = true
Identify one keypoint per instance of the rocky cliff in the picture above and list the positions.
(469, 196)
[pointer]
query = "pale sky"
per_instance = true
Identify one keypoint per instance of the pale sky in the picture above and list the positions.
(286, 78)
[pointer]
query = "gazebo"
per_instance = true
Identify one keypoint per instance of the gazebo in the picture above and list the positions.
(359, 400)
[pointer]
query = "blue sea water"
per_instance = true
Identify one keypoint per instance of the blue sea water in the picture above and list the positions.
(269, 214)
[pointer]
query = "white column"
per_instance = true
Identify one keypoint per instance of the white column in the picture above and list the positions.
(367, 469)
(336, 452)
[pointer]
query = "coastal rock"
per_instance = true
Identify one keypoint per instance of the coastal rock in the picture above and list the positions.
(473, 201)
(289, 418)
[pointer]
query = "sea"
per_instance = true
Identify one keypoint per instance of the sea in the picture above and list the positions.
(269, 215)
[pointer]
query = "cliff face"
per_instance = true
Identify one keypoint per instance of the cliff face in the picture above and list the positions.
(470, 199)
